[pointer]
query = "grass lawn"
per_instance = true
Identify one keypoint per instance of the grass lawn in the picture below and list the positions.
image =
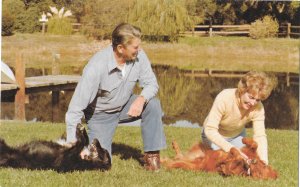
(229, 53)
(197, 53)
(126, 170)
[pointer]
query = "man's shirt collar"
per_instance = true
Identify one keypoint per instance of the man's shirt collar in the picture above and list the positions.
(112, 64)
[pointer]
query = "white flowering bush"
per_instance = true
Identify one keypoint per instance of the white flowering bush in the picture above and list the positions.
(58, 21)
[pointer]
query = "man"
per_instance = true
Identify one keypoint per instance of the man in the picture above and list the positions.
(104, 95)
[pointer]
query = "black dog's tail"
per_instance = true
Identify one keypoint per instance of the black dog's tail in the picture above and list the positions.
(4, 148)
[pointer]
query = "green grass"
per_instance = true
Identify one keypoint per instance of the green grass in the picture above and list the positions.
(228, 53)
(283, 156)
(198, 53)
(38, 50)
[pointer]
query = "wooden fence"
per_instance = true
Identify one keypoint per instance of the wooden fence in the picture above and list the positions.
(76, 27)
(286, 30)
(289, 30)
(210, 30)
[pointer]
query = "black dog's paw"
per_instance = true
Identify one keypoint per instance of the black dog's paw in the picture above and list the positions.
(81, 134)
(80, 127)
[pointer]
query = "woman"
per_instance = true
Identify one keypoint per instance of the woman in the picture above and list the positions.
(224, 127)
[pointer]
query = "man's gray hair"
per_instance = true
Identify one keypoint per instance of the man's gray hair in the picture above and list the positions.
(124, 33)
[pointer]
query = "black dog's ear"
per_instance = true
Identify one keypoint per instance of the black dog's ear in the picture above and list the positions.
(63, 136)
(102, 153)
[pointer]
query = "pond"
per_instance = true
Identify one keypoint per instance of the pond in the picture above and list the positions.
(184, 100)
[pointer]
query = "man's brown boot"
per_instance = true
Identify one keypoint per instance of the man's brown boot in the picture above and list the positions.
(152, 161)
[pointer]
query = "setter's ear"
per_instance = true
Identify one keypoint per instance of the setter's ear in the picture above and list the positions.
(250, 143)
(175, 146)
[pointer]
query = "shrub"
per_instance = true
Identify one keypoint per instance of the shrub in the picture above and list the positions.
(61, 26)
(264, 28)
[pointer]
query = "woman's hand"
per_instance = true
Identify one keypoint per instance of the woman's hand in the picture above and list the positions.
(245, 157)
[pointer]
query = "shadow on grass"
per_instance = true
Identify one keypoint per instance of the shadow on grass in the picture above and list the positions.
(126, 152)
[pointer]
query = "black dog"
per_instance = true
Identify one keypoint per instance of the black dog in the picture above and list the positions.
(43, 155)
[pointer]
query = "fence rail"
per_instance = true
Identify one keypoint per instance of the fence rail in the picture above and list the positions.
(286, 30)
(289, 30)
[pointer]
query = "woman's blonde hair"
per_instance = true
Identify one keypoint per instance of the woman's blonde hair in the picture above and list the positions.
(124, 33)
(258, 84)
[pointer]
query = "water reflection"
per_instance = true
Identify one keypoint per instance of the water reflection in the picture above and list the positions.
(282, 107)
(184, 100)
(180, 123)
(185, 123)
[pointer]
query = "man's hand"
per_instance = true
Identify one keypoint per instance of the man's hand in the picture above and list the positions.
(136, 107)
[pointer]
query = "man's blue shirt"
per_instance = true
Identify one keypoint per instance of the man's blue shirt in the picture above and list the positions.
(102, 88)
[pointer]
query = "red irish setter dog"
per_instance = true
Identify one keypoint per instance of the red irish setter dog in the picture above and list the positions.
(199, 157)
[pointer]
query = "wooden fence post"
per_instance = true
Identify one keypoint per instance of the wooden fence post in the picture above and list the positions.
(288, 31)
(20, 96)
(210, 27)
(288, 79)
(55, 93)
(193, 31)
(55, 106)
(210, 31)
(55, 64)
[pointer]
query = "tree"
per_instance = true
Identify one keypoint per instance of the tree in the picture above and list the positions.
(201, 11)
(206, 9)
(245, 12)
(294, 11)
(77, 8)
(12, 10)
(101, 16)
(160, 18)
(7, 23)
(29, 21)
(26, 13)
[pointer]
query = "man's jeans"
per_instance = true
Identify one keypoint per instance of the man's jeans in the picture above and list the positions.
(103, 125)
(235, 141)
